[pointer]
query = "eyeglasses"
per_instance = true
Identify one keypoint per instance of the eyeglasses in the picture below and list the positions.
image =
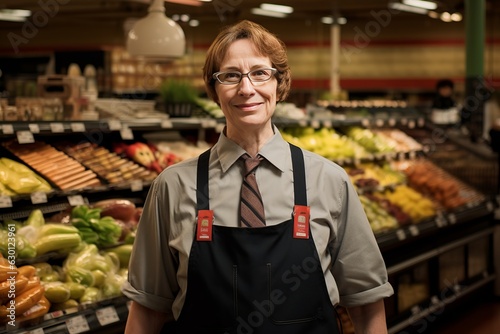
(255, 76)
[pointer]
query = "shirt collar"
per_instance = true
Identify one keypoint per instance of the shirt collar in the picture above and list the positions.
(276, 151)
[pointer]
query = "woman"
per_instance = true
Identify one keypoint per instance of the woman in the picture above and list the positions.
(314, 251)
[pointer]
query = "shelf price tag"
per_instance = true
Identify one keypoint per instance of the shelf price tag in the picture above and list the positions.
(327, 124)
(440, 221)
(452, 218)
(77, 324)
(56, 127)
(302, 122)
(420, 122)
(136, 185)
(411, 124)
(392, 122)
(403, 121)
(76, 200)
(365, 122)
(25, 137)
(77, 127)
(315, 123)
(7, 129)
(401, 234)
(107, 315)
(5, 201)
(126, 134)
(414, 231)
(379, 122)
(34, 128)
(114, 124)
(166, 124)
(38, 197)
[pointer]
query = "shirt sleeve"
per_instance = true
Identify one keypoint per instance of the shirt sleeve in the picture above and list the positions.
(358, 266)
(152, 268)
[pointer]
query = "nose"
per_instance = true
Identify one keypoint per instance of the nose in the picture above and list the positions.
(246, 87)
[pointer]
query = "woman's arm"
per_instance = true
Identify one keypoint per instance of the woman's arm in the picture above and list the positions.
(142, 319)
(369, 318)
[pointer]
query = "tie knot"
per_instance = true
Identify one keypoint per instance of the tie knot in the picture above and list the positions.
(251, 163)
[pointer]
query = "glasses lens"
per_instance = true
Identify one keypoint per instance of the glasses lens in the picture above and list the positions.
(260, 75)
(229, 77)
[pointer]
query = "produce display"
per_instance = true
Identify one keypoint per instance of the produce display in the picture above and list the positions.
(16, 178)
(372, 141)
(325, 142)
(108, 165)
(22, 295)
(54, 165)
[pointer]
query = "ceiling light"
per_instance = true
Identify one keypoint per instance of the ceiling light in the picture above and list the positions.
(446, 17)
(16, 12)
(11, 18)
(277, 8)
(456, 17)
(421, 4)
(406, 8)
(331, 20)
(156, 36)
(260, 11)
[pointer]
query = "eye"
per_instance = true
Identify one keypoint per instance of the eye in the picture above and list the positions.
(230, 76)
(260, 74)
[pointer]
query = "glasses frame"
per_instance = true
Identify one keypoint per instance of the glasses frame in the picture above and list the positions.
(216, 76)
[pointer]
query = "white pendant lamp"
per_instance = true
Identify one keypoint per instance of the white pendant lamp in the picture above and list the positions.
(156, 36)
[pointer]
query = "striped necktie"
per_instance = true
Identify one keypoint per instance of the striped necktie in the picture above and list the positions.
(251, 206)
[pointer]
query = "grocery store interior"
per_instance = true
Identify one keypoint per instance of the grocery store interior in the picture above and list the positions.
(84, 89)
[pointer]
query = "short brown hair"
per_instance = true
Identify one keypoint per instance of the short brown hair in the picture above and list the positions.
(266, 43)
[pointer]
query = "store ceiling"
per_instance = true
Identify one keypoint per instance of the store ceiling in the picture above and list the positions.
(85, 11)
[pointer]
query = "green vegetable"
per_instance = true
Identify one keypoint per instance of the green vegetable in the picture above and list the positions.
(35, 219)
(112, 286)
(80, 275)
(56, 228)
(94, 229)
(24, 249)
(57, 292)
(76, 290)
(99, 277)
(42, 268)
(123, 253)
(57, 241)
(91, 295)
(70, 303)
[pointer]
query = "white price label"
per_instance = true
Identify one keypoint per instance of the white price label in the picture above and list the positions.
(114, 124)
(76, 200)
(126, 134)
(412, 154)
(34, 128)
(136, 185)
(414, 231)
(411, 124)
(420, 122)
(327, 124)
(166, 124)
(78, 127)
(56, 127)
(7, 129)
(392, 122)
(5, 201)
(302, 122)
(379, 122)
(315, 124)
(77, 324)
(365, 122)
(452, 218)
(435, 300)
(25, 137)
(107, 315)
(415, 310)
(404, 121)
(401, 234)
(38, 198)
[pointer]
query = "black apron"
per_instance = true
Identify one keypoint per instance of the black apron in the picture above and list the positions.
(255, 280)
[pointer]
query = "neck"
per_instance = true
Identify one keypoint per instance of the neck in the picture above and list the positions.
(251, 140)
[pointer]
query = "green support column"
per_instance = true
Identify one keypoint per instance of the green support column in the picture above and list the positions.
(473, 111)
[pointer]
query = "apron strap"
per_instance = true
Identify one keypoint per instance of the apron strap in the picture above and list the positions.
(202, 200)
(299, 178)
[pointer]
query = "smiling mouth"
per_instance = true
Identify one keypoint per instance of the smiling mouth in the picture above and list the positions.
(248, 105)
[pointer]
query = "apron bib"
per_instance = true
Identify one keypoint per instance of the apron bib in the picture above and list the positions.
(255, 280)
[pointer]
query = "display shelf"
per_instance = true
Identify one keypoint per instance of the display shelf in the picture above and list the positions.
(88, 318)
(392, 239)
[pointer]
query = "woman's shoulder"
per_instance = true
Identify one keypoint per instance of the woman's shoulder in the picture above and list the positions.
(314, 161)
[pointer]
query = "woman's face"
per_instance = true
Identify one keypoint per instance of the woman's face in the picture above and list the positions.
(246, 105)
